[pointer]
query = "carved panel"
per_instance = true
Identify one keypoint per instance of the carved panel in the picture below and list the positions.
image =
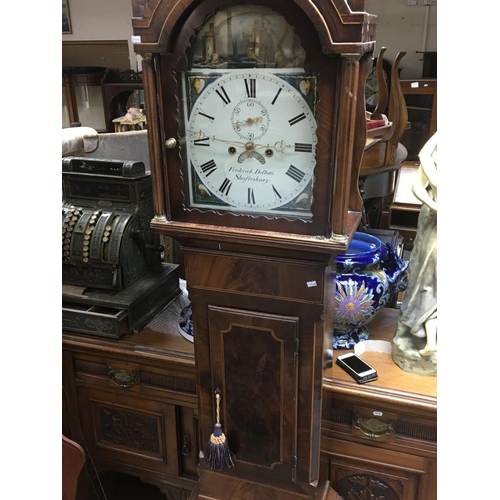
(120, 427)
(365, 487)
(376, 476)
(128, 429)
(172, 492)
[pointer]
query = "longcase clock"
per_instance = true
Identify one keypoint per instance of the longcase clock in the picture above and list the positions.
(256, 127)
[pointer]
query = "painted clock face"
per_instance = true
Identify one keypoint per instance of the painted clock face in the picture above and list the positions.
(250, 142)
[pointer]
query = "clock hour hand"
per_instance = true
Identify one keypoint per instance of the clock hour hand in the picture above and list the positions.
(279, 147)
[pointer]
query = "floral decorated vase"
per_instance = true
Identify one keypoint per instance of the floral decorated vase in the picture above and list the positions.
(369, 274)
(185, 323)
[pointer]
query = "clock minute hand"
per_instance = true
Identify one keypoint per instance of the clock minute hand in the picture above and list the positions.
(233, 143)
(202, 135)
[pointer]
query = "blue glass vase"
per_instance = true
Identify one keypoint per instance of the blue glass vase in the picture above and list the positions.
(369, 274)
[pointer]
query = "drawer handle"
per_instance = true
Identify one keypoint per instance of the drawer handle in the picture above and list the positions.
(373, 427)
(122, 378)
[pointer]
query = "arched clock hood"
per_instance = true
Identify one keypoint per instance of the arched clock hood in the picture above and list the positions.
(342, 25)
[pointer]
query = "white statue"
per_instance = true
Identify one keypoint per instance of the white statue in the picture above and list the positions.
(418, 319)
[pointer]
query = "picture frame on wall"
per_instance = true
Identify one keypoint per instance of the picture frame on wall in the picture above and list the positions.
(66, 20)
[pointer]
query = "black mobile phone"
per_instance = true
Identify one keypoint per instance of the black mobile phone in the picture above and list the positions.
(359, 370)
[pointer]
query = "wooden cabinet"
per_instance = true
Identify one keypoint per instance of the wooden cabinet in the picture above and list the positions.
(379, 440)
(262, 363)
(132, 405)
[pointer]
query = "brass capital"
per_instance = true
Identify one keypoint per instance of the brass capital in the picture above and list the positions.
(339, 238)
(352, 58)
(160, 218)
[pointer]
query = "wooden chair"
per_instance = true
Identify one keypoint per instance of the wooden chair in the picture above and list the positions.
(383, 149)
(73, 459)
(384, 154)
(378, 87)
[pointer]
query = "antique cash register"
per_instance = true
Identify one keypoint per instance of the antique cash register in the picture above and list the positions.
(113, 277)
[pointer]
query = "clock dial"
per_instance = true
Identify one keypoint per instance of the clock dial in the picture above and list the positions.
(250, 143)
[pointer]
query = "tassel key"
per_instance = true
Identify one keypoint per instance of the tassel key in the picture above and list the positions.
(218, 456)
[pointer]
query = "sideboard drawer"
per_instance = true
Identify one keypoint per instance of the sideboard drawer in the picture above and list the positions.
(380, 424)
(137, 378)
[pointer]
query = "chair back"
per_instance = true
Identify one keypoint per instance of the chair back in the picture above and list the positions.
(73, 459)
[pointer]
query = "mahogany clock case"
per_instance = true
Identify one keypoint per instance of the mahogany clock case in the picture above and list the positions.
(329, 73)
(260, 283)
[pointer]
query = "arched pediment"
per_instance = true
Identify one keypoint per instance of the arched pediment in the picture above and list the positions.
(340, 29)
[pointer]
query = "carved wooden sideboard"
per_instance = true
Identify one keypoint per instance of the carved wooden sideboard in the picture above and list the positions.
(131, 403)
(379, 440)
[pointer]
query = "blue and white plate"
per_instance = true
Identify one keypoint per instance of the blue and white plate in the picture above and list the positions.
(185, 324)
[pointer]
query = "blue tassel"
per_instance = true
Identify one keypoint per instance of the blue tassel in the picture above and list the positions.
(217, 455)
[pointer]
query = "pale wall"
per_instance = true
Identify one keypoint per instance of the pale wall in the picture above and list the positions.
(102, 20)
(400, 27)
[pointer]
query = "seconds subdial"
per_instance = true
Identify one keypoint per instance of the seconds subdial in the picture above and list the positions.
(250, 119)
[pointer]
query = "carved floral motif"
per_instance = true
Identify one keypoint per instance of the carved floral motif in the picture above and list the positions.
(129, 430)
(365, 487)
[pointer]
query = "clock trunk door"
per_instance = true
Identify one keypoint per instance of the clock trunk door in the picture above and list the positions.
(254, 364)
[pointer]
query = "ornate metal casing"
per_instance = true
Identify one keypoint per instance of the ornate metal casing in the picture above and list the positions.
(106, 211)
